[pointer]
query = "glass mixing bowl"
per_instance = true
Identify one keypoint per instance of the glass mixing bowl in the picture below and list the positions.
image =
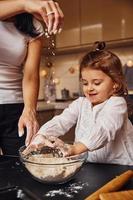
(48, 167)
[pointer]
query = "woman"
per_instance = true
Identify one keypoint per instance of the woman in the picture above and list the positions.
(20, 51)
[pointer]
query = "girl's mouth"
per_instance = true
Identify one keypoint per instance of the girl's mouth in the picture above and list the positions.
(92, 94)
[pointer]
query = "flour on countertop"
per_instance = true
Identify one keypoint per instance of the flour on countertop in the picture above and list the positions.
(69, 191)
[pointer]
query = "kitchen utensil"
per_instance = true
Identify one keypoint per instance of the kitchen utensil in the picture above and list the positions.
(47, 167)
(122, 195)
(65, 93)
(113, 185)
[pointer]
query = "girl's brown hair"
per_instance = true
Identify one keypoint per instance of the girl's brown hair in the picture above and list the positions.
(107, 62)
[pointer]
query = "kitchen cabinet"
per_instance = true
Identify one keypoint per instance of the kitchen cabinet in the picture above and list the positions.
(91, 21)
(97, 21)
(106, 20)
(44, 116)
(69, 136)
(70, 36)
(88, 21)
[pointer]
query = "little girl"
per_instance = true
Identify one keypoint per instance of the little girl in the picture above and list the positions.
(102, 125)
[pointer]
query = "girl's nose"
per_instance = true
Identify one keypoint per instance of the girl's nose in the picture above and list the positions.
(90, 87)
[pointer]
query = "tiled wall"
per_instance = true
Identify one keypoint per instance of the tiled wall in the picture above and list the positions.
(64, 65)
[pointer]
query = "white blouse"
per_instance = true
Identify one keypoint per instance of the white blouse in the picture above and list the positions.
(104, 129)
(13, 52)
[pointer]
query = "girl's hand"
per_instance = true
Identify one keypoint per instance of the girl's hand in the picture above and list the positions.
(37, 143)
(28, 120)
(67, 150)
(40, 140)
(73, 149)
(47, 11)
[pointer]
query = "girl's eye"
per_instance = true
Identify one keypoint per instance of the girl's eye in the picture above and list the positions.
(97, 83)
(84, 83)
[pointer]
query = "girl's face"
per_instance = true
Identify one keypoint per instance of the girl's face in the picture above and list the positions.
(97, 86)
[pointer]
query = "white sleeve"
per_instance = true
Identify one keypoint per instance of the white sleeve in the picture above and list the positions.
(106, 124)
(60, 124)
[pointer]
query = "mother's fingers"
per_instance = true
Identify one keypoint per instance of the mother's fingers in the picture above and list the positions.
(42, 15)
(61, 19)
(48, 11)
(58, 17)
(32, 127)
(29, 135)
(52, 15)
(35, 128)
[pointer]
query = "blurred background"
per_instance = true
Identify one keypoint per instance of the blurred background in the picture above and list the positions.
(85, 22)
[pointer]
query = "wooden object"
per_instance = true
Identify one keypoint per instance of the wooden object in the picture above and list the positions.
(123, 195)
(113, 185)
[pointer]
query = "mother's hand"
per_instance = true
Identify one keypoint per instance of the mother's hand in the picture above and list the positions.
(28, 120)
(48, 11)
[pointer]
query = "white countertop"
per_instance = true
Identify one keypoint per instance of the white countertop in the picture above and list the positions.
(42, 105)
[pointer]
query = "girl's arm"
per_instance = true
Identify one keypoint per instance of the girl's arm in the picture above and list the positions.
(105, 128)
(106, 124)
(38, 8)
(59, 125)
(30, 89)
(74, 149)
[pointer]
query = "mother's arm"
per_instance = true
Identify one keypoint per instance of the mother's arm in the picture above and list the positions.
(30, 90)
(10, 8)
(38, 8)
